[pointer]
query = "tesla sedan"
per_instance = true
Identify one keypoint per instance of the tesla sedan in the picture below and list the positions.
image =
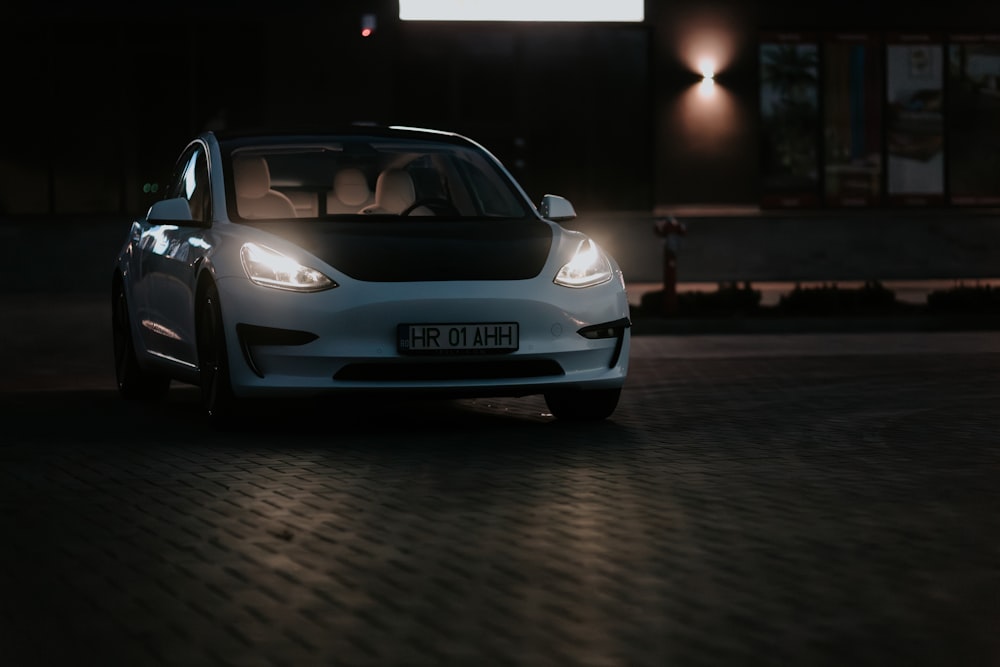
(381, 260)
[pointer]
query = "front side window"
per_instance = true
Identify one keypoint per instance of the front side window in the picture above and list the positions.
(191, 182)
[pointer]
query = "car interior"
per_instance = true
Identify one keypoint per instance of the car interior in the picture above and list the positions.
(322, 181)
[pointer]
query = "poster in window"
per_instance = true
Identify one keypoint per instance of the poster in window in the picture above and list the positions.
(973, 118)
(915, 119)
(852, 112)
(790, 120)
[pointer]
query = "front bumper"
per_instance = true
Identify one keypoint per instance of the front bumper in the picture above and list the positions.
(344, 339)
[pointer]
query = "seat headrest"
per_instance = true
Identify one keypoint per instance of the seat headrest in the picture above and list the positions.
(252, 177)
(394, 190)
(351, 187)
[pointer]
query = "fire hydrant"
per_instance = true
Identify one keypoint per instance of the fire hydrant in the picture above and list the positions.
(671, 231)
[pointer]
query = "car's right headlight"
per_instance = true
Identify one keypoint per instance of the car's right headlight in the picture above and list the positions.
(270, 268)
(589, 266)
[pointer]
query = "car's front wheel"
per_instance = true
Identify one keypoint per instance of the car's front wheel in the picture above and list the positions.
(216, 388)
(583, 404)
(134, 383)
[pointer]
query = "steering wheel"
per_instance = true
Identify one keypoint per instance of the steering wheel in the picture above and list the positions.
(439, 205)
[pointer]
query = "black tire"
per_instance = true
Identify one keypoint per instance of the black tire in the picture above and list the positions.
(134, 383)
(216, 388)
(585, 405)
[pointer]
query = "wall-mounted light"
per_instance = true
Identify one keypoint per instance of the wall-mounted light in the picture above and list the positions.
(706, 110)
(707, 68)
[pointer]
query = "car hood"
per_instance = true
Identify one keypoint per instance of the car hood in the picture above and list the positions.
(422, 250)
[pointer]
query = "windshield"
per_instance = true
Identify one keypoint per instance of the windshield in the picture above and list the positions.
(367, 176)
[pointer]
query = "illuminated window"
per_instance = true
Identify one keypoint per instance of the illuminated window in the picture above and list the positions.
(521, 10)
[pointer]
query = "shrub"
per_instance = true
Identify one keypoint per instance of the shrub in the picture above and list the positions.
(729, 300)
(965, 299)
(871, 299)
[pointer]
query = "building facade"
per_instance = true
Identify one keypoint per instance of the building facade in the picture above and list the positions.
(770, 105)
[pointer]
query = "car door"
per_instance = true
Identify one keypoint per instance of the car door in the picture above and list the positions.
(169, 253)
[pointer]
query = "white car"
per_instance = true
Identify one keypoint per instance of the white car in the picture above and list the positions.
(370, 259)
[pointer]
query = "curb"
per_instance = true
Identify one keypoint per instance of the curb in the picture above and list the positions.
(658, 326)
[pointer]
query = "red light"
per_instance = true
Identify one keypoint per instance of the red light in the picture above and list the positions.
(368, 23)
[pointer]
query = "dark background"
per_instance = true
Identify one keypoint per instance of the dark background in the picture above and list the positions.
(101, 98)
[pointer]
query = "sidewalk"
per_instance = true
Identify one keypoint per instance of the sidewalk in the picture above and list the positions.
(909, 315)
(909, 291)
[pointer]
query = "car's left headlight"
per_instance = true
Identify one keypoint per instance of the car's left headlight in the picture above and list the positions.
(588, 267)
(270, 268)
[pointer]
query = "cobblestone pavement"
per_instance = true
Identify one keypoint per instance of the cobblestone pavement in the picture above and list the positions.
(756, 500)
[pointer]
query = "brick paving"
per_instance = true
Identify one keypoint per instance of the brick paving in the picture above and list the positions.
(771, 500)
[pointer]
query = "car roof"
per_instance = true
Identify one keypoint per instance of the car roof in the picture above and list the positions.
(357, 130)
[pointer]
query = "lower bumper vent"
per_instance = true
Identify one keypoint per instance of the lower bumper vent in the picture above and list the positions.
(472, 370)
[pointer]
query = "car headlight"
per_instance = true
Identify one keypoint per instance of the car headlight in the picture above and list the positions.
(588, 267)
(272, 269)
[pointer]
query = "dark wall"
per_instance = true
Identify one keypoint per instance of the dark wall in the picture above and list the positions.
(566, 108)
(109, 100)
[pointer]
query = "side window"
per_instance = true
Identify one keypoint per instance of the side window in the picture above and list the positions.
(191, 183)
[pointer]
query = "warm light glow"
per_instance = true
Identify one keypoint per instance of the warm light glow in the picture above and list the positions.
(707, 53)
(707, 118)
(521, 10)
(706, 42)
(366, 32)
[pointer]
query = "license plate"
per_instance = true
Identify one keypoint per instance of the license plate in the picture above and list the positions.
(482, 338)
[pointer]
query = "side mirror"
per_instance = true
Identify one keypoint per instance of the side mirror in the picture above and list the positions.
(556, 208)
(170, 210)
